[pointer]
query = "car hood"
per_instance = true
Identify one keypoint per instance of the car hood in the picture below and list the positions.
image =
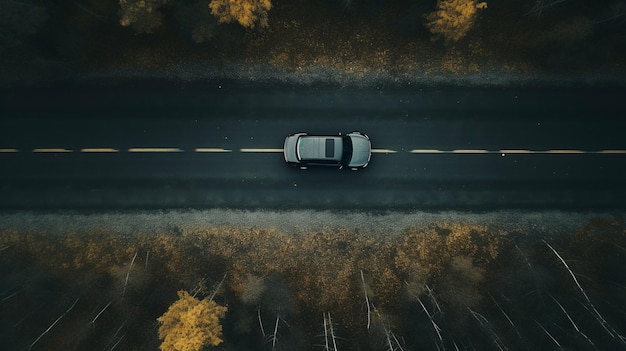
(361, 151)
(289, 148)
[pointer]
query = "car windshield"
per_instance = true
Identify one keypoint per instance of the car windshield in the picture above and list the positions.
(347, 150)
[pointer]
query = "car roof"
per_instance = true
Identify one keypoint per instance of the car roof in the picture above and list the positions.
(315, 147)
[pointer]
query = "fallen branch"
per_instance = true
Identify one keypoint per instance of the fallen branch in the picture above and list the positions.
(484, 323)
(218, 287)
(505, 315)
(430, 316)
(547, 333)
(102, 311)
(432, 298)
(128, 273)
(117, 343)
(605, 325)
(367, 302)
(524, 256)
(333, 338)
(326, 347)
(572, 321)
(114, 335)
(260, 322)
(53, 324)
(389, 336)
(146, 263)
(274, 336)
(432, 321)
(199, 287)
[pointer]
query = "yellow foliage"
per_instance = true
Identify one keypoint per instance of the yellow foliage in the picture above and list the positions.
(143, 15)
(453, 19)
(247, 12)
(461, 283)
(425, 252)
(321, 268)
(190, 324)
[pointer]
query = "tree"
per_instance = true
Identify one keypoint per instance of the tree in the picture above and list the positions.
(190, 324)
(248, 13)
(143, 15)
(453, 18)
(20, 20)
(196, 17)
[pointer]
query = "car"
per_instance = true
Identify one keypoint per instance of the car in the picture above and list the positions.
(352, 150)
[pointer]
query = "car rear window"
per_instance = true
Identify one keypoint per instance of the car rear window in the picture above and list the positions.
(330, 148)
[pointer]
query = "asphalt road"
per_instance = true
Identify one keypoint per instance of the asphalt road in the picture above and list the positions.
(219, 144)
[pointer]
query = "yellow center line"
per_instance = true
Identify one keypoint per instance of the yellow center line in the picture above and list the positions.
(212, 149)
(99, 149)
(564, 151)
(154, 149)
(276, 150)
(470, 151)
(426, 151)
(611, 152)
(261, 150)
(516, 151)
(52, 150)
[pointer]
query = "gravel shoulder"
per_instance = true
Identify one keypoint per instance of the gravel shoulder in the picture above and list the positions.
(388, 224)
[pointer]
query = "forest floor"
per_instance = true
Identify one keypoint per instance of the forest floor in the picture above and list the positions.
(480, 278)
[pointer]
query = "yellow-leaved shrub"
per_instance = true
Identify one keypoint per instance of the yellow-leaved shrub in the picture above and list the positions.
(453, 19)
(190, 324)
(248, 13)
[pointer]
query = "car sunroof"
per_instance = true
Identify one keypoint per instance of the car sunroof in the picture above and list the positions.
(330, 148)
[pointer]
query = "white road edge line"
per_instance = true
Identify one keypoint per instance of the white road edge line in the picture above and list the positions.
(8, 150)
(383, 151)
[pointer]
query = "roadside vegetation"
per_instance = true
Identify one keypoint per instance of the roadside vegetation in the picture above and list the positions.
(442, 285)
(401, 38)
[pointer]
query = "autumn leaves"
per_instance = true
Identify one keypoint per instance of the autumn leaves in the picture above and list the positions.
(248, 13)
(145, 15)
(190, 324)
(450, 21)
(453, 19)
(445, 283)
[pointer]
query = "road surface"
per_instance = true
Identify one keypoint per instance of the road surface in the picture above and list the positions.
(219, 144)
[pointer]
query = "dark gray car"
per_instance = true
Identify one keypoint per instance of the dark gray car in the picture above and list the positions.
(352, 150)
